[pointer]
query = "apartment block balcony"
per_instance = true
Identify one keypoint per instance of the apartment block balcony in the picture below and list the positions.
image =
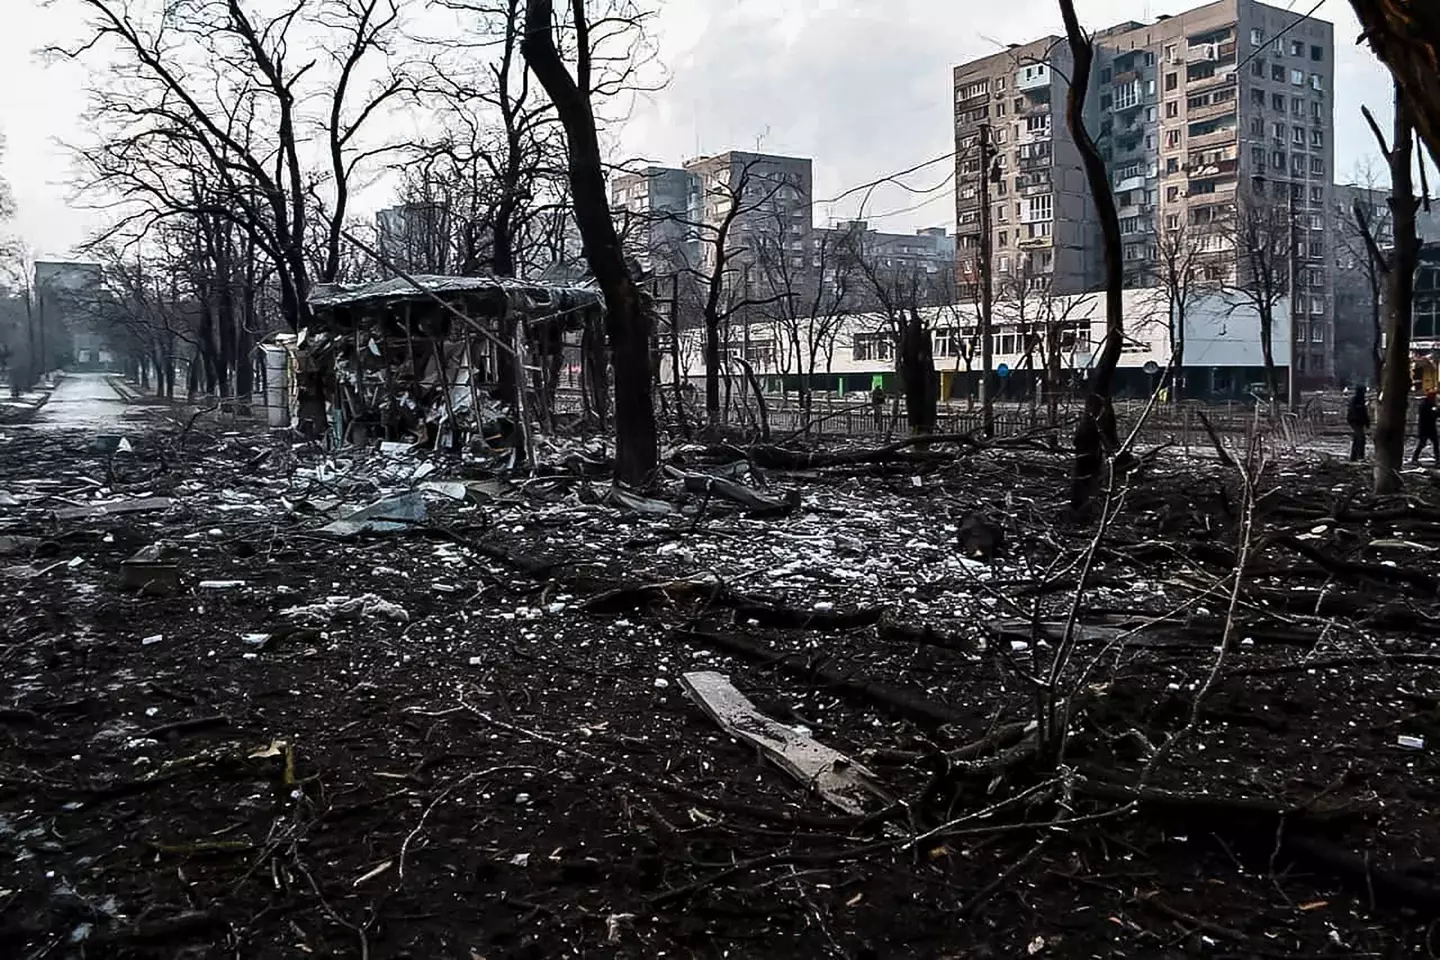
(1035, 188)
(1214, 137)
(1210, 52)
(1212, 110)
(1034, 77)
(1134, 182)
(1210, 171)
(1221, 78)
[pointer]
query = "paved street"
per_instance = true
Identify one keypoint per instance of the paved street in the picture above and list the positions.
(82, 401)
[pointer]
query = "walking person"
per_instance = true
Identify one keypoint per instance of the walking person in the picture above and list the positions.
(1429, 423)
(877, 400)
(1358, 419)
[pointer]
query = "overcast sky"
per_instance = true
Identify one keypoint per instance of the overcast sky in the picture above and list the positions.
(862, 86)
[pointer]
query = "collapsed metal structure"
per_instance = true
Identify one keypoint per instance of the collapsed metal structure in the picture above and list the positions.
(435, 359)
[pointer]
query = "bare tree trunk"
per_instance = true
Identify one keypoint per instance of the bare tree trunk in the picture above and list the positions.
(1395, 378)
(1096, 429)
(626, 319)
(917, 374)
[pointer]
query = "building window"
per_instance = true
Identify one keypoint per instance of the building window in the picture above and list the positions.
(1277, 130)
(1278, 159)
(1297, 48)
(1105, 75)
(1127, 95)
(1172, 53)
(1172, 109)
(1257, 127)
(1129, 224)
(1317, 53)
(1297, 78)
(1004, 240)
(1258, 69)
(873, 346)
(1317, 194)
(1317, 166)
(1172, 81)
(1277, 101)
(1172, 194)
(1039, 208)
(1172, 165)
(1277, 72)
(1317, 82)
(1297, 136)
(1297, 107)
(1317, 138)
(1257, 37)
(1257, 157)
(1172, 138)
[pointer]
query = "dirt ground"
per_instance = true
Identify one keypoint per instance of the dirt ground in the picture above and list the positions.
(469, 736)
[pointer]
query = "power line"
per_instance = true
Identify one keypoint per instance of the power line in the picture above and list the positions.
(1279, 36)
(913, 207)
(890, 178)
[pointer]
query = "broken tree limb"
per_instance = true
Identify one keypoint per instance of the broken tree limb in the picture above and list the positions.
(1374, 572)
(794, 618)
(838, 780)
(897, 701)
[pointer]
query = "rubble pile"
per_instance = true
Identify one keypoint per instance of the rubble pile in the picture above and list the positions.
(382, 700)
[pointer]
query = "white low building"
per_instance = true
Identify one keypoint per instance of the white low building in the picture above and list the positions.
(1223, 356)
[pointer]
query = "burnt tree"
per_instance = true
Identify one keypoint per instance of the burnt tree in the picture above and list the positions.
(1096, 430)
(627, 323)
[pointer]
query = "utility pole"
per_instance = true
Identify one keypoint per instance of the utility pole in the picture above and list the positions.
(987, 352)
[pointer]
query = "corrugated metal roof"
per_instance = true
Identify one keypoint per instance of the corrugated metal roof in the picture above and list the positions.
(522, 293)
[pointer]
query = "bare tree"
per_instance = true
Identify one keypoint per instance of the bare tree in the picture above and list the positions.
(204, 87)
(1363, 229)
(721, 276)
(1406, 38)
(1261, 232)
(627, 322)
(1180, 249)
(1096, 430)
(1399, 267)
(810, 301)
(898, 290)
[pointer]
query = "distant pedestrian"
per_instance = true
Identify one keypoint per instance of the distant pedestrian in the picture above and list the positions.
(1429, 428)
(1358, 419)
(877, 400)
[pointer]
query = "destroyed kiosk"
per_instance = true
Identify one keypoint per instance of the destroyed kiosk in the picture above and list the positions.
(435, 363)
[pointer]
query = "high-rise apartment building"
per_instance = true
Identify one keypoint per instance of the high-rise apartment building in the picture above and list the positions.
(672, 216)
(651, 209)
(415, 237)
(1206, 120)
(774, 197)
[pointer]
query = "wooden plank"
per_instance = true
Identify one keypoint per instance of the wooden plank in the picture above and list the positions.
(840, 781)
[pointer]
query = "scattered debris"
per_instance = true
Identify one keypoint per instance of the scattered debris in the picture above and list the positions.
(389, 515)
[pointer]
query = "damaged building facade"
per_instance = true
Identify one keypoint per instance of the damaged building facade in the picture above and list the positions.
(438, 362)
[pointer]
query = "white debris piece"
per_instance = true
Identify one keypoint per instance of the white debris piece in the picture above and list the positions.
(367, 606)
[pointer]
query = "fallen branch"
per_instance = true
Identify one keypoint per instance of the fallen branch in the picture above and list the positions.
(901, 703)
